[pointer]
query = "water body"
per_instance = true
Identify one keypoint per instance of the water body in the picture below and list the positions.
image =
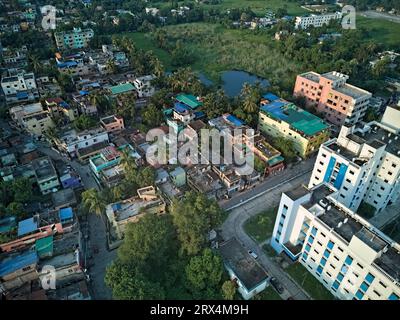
(233, 81)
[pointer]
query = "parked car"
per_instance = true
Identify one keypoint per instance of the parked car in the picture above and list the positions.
(277, 285)
(253, 254)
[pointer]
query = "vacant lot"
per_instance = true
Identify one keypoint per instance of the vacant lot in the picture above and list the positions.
(380, 30)
(260, 227)
(308, 282)
(218, 49)
(260, 7)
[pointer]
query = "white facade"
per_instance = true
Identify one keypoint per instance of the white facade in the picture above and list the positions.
(350, 257)
(20, 88)
(316, 20)
(363, 164)
(72, 141)
(144, 87)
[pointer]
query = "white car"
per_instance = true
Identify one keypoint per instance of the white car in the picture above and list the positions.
(253, 254)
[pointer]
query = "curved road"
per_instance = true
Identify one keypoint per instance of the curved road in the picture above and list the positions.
(250, 205)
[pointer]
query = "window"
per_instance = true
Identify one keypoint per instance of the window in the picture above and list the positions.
(359, 295)
(308, 247)
(377, 293)
(305, 255)
(382, 284)
(319, 269)
(364, 286)
(340, 277)
(369, 278)
(335, 285)
(314, 231)
(323, 261)
(360, 266)
(327, 253)
(393, 296)
(330, 245)
(310, 239)
(349, 260)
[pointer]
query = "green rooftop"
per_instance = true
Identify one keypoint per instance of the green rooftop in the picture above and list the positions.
(190, 100)
(298, 118)
(122, 88)
(44, 246)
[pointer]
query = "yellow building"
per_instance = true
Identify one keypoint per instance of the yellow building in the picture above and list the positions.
(32, 118)
(280, 118)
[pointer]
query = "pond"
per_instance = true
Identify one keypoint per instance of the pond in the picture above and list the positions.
(233, 81)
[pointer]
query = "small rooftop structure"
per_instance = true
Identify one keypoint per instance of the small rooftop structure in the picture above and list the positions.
(246, 269)
(15, 263)
(122, 88)
(27, 226)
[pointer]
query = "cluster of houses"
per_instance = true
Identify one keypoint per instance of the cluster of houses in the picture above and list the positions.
(21, 20)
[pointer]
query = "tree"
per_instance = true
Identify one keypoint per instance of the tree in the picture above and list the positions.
(93, 202)
(194, 217)
(204, 275)
(111, 66)
(152, 116)
(229, 290)
(84, 122)
(285, 146)
(22, 190)
(15, 209)
(130, 284)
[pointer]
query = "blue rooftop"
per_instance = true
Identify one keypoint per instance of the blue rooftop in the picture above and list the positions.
(116, 206)
(19, 262)
(234, 120)
(26, 226)
(22, 95)
(67, 64)
(66, 214)
(180, 107)
(83, 92)
(270, 96)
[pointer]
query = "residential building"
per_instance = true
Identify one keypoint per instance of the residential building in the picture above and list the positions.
(121, 213)
(112, 123)
(46, 175)
(32, 118)
(316, 20)
(121, 89)
(363, 164)
(144, 87)
(349, 256)
(243, 269)
(15, 270)
(339, 102)
(280, 118)
(178, 177)
(74, 39)
(58, 107)
(20, 88)
(70, 142)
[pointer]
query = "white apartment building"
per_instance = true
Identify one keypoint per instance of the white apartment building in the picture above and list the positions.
(20, 88)
(363, 164)
(316, 20)
(144, 87)
(72, 141)
(350, 257)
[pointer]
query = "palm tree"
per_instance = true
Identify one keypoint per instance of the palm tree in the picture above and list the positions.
(158, 68)
(93, 202)
(111, 66)
(34, 60)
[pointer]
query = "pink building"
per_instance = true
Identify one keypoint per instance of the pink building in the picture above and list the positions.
(339, 102)
(112, 123)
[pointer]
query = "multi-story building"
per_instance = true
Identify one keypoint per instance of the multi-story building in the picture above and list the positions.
(144, 86)
(46, 175)
(280, 118)
(58, 107)
(316, 20)
(32, 118)
(349, 256)
(74, 39)
(331, 95)
(112, 123)
(131, 210)
(363, 164)
(20, 88)
(71, 142)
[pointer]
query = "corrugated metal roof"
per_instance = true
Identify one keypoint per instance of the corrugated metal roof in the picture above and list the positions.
(27, 226)
(44, 246)
(66, 214)
(18, 262)
(189, 99)
(121, 88)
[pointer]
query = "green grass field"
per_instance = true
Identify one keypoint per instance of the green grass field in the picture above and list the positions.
(381, 31)
(218, 49)
(308, 282)
(260, 227)
(258, 6)
(268, 294)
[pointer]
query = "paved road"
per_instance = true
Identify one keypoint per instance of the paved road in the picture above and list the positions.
(267, 184)
(381, 15)
(251, 205)
(97, 229)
